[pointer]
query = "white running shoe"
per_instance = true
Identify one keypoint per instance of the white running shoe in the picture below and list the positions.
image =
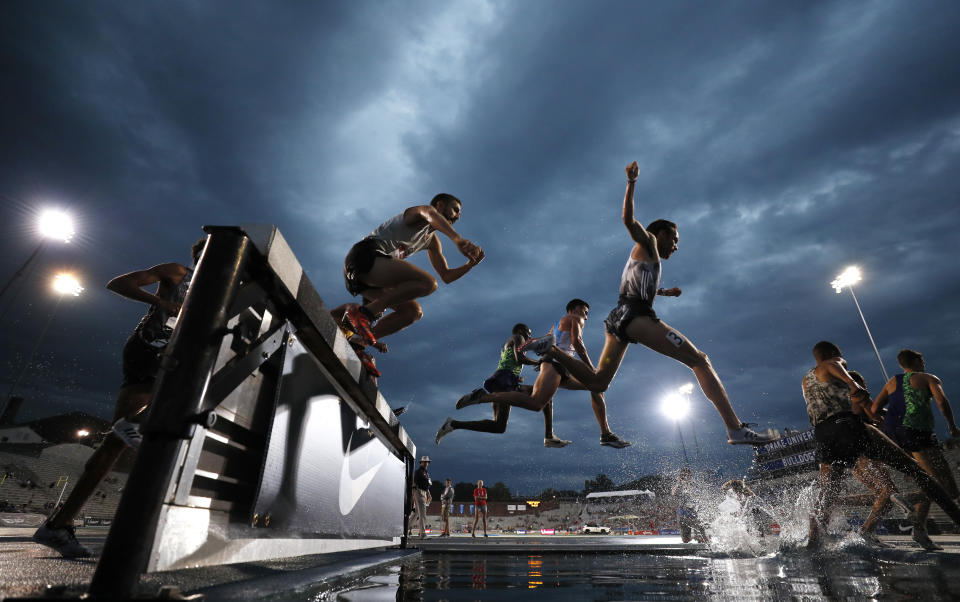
(540, 345)
(747, 436)
(445, 430)
(128, 432)
(556, 442)
(63, 540)
(612, 440)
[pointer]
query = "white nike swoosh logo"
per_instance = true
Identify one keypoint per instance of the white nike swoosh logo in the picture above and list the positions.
(351, 489)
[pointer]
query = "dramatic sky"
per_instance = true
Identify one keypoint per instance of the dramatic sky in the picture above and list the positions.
(788, 140)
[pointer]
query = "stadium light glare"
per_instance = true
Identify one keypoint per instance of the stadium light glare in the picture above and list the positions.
(66, 284)
(56, 224)
(675, 406)
(82, 433)
(847, 278)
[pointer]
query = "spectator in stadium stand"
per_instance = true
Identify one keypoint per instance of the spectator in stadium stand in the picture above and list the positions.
(141, 362)
(421, 494)
(446, 503)
(480, 503)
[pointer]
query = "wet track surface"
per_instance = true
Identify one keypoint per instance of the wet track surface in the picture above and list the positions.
(590, 568)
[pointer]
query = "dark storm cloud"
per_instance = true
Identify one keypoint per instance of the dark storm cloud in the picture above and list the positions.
(787, 140)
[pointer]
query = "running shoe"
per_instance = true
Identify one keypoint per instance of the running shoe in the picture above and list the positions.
(540, 345)
(359, 319)
(556, 442)
(128, 432)
(471, 398)
(872, 539)
(899, 503)
(367, 361)
(611, 440)
(747, 436)
(921, 537)
(63, 540)
(445, 430)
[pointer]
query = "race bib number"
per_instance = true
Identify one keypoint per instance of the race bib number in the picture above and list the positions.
(674, 337)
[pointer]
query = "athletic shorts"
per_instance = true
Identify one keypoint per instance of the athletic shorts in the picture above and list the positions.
(482, 509)
(358, 262)
(502, 381)
(625, 311)
(141, 362)
(912, 440)
(561, 370)
(841, 439)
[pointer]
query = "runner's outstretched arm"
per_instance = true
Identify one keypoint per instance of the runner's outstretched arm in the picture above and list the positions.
(883, 396)
(131, 285)
(637, 232)
(936, 387)
(440, 224)
(439, 262)
(836, 369)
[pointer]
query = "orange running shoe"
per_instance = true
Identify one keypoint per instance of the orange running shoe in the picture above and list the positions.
(368, 362)
(360, 321)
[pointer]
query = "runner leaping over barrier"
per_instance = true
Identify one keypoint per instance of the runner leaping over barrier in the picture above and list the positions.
(264, 439)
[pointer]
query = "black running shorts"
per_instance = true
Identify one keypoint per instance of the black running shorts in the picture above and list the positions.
(141, 362)
(841, 439)
(358, 262)
(912, 440)
(502, 381)
(625, 311)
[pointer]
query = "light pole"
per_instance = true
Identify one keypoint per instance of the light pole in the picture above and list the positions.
(51, 224)
(686, 391)
(63, 284)
(675, 406)
(847, 279)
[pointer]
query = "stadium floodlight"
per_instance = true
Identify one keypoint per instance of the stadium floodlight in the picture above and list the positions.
(66, 284)
(52, 224)
(56, 224)
(675, 406)
(846, 280)
(83, 433)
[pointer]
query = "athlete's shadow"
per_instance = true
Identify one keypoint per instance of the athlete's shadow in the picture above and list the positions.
(302, 383)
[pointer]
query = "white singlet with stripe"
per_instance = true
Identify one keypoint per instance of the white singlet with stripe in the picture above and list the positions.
(395, 238)
(640, 280)
(564, 342)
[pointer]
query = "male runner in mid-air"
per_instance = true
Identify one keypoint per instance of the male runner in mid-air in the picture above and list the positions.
(506, 378)
(567, 334)
(141, 362)
(842, 437)
(375, 267)
(909, 422)
(634, 321)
